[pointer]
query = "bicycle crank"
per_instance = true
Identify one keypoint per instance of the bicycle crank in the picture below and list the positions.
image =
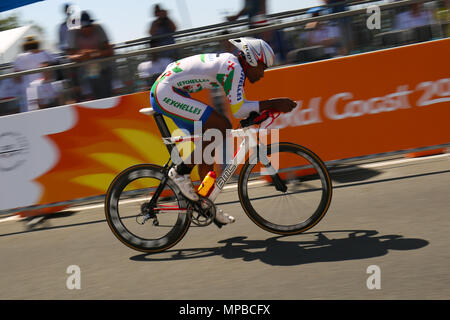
(203, 212)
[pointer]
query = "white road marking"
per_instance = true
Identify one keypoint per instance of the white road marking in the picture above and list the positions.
(11, 218)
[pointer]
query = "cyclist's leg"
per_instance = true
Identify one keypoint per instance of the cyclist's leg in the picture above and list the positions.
(221, 123)
(184, 111)
(177, 105)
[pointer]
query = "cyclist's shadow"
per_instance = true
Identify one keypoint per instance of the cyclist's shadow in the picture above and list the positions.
(326, 246)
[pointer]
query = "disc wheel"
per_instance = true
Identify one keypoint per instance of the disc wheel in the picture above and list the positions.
(287, 192)
(136, 224)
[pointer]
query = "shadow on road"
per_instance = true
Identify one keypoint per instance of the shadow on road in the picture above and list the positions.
(347, 174)
(338, 245)
(349, 180)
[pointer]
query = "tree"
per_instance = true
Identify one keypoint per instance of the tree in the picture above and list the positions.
(14, 21)
(10, 22)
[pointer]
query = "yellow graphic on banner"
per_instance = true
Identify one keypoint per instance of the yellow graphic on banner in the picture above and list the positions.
(115, 161)
(144, 143)
(99, 181)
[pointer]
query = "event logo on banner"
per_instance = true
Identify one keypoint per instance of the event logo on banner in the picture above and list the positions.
(14, 148)
(344, 105)
(382, 101)
(27, 153)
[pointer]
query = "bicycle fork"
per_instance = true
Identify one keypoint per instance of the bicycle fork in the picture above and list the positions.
(279, 184)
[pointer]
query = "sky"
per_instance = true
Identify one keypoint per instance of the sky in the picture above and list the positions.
(130, 19)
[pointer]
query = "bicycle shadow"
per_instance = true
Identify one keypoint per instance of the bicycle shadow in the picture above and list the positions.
(345, 245)
(353, 173)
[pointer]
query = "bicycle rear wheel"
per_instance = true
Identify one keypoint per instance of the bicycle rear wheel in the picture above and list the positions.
(128, 216)
(295, 198)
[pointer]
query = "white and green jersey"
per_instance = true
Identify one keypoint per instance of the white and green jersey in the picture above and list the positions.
(208, 71)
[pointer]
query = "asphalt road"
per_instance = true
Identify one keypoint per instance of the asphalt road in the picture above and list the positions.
(393, 215)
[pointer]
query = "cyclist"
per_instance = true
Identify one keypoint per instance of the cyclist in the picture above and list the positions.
(170, 96)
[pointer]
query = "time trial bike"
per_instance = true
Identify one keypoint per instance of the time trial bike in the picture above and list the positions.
(147, 212)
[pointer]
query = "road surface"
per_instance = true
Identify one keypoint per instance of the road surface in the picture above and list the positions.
(387, 219)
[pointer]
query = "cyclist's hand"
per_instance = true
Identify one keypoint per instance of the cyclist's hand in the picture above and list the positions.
(283, 105)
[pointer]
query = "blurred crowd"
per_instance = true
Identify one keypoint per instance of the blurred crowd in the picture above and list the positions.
(88, 41)
(404, 25)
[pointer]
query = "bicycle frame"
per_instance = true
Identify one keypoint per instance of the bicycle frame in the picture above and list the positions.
(250, 142)
(255, 158)
(238, 159)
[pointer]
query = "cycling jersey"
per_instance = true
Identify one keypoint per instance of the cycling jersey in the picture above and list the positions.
(170, 93)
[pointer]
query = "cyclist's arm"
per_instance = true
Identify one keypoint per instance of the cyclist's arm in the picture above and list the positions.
(234, 89)
(278, 104)
(244, 108)
(241, 107)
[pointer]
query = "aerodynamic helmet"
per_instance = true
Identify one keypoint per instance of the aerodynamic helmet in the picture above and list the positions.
(254, 50)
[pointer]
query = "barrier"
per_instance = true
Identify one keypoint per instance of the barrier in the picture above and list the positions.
(349, 107)
(71, 152)
(365, 104)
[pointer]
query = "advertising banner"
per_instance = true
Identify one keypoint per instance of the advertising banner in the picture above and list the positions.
(365, 104)
(359, 105)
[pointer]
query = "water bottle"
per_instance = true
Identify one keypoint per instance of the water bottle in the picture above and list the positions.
(207, 185)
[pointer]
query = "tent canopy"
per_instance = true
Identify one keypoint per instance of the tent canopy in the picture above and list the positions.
(12, 4)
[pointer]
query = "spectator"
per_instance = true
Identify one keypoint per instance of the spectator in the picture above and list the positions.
(336, 6)
(280, 46)
(416, 16)
(254, 9)
(89, 43)
(256, 12)
(322, 33)
(276, 39)
(344, 24)
(225, 45)
(161, 30)
(31, 58)
(63, 30)
(9, 95)
(45, 92)
(70, 75)
(442, 14)
(148, 71)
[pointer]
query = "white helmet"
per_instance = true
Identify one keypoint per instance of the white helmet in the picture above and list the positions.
(255, 50)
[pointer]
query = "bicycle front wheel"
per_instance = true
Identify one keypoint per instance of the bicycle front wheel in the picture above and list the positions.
(287, 192)
(128, 216)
